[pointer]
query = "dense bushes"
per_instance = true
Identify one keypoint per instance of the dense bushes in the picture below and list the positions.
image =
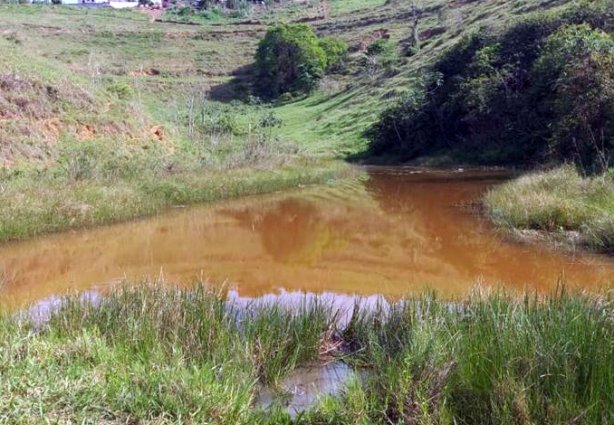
(292, 59)
(542, 90)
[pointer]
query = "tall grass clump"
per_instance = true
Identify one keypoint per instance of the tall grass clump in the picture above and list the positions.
(280, 339)
(557, 201)
(491, 360)
(152, 354)
(534, 362)
(267, 340)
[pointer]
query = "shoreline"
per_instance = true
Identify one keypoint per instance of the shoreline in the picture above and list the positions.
(558, 206)
(58, 206)
(154, 355)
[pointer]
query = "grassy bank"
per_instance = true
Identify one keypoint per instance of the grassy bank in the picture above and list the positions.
(152, 355)
(558, 201)
(30, 206)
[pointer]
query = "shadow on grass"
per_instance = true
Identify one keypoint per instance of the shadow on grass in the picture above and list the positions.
(239, 87)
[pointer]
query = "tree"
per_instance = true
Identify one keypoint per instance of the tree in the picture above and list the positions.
(415, 29)
(541, 90)
(577, 70)
(291, 59)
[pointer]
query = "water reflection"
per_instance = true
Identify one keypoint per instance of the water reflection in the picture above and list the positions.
(395, 233)
(291, 231)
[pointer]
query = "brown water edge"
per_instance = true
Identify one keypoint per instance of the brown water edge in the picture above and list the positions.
(400, 231)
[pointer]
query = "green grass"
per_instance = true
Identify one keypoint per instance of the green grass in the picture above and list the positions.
(146, 354)
(342, 7)
(558, 201)
(31, 206)
(167, 63)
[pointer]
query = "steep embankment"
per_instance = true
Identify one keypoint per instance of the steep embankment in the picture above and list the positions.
(71, 74)
(537, 91)
(42, 105)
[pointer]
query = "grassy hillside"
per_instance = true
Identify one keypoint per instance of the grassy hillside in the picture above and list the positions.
(119, 106)
(537, 91)
(348, 104)
(42, 104)
(169, 66)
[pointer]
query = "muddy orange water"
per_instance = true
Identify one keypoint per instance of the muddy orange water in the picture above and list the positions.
(395, 232)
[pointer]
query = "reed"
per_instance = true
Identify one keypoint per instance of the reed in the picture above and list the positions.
(150, 354)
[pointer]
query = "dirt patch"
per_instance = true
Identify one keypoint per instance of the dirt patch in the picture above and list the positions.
(432, 32)
(87, 132)
(144, 72)
(157, 132)
(52, 128)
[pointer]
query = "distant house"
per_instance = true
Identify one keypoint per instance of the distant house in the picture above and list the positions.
(86, 3)
(124, 4)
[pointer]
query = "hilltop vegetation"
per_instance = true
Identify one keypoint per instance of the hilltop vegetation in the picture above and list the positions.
(161, 76)
(540, 91)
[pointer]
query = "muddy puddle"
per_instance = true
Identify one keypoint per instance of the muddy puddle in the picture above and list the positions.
(398, 231)
(306, 386)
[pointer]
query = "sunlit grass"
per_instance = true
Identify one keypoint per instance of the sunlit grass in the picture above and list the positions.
(153, 355)
(31, 206)
(557, 201)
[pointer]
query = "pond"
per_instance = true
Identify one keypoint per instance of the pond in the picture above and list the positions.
(395, 232)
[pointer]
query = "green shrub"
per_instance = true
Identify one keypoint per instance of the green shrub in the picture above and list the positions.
(289, 59)
(121, 89)
(213, 14)
(335, 50)
(381, 46)
(385, 50)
